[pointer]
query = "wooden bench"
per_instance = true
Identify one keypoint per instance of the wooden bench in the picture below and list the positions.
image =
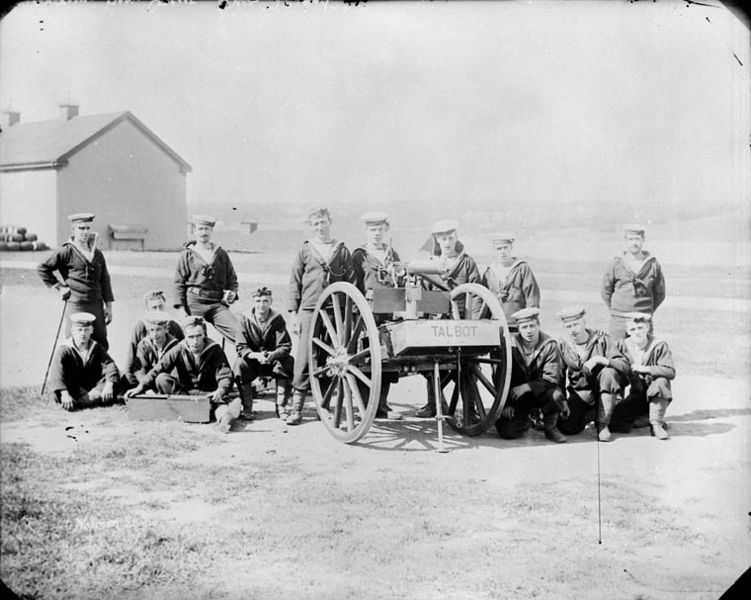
(126, 236)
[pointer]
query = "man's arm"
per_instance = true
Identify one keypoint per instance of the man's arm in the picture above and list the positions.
(46, 270)
(283, 340)
(182, 273)
(551, 368)
(530, 288)
(608, 284)
(658, 292)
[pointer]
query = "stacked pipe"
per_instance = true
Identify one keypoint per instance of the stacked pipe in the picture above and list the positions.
(13, 239)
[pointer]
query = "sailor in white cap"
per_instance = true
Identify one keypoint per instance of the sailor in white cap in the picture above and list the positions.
(82, 374)
(157, 342)
(458, 267)
(536, 380)
(597, 372)
(205, 279)
(78, 271)
(321, 260)
(368, 260)
(634, 282)
(652, 370)
(510, 278)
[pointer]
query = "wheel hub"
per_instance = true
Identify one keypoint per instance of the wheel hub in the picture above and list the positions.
(337, 363)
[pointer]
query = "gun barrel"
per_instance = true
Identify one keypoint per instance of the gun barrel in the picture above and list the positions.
(423, 266)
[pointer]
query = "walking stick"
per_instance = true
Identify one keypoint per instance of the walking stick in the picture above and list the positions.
(599, 499)
(54, 347)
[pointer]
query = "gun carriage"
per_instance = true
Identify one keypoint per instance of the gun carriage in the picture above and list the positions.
(414, 322)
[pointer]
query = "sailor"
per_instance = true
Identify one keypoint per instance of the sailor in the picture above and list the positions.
(597, 372)
(78, 271)
(368, 261)
(458, 267)
(510, 278)
(82, 374)
(205, 280)
(321, 260)
(263, 347)
(536, 378)
(634, 282)
(157, 342)
(652, 370)
(200, 368)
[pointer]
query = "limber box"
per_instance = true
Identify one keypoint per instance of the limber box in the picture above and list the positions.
(191, 409)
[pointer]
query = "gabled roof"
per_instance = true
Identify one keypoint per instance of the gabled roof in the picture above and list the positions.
(49, 144)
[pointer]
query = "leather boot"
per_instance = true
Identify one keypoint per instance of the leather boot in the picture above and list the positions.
(428, 411)
(549, 423)
(226, 414)
(607, 402)
(384, 410)
(657, 408)
(298, 401)
(246, 397)
(283, 393)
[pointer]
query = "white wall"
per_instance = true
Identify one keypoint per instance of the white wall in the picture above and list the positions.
(28, 199)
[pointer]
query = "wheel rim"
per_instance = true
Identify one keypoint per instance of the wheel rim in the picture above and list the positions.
(480, 383)
(344, 362)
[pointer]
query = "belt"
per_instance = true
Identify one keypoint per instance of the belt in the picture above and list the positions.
(204, 293)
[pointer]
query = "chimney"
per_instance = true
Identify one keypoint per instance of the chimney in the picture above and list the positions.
(10, 118)
(68, 111)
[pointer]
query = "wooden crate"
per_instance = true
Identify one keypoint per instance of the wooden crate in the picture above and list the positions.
(191, 409)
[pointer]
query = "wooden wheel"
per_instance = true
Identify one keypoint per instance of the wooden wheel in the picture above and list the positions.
(481, 382)
(344, 362)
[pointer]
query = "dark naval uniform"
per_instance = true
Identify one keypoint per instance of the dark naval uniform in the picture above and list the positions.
(516, 289)
(625, 291)
(650, 393)
(140, 333)
(585, 387)
(148, 354)
(206, 374)
(542, 370)
(311, 274)
(271, 337)
(80, 372)
(200, 287)
(89, 283)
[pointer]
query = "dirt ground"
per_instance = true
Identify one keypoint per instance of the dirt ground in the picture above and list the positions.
(523, 521)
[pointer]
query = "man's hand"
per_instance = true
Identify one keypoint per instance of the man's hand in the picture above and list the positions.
(64, 291)
(641, 369)
(594, 362)
(228, 297)
(295, 324)
(518, 391)
(263, 357)
(507, 412)
(107, 313)
(108, 392)
(135, 391)
(216, 395)
(66, 400)
(565, 410)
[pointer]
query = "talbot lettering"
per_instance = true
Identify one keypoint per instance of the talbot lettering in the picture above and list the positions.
(454, 331)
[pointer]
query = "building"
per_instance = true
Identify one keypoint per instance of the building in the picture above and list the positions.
(108, 164)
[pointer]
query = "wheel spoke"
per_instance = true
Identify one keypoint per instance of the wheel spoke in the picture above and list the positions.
(326, 400)
(356, 394)
(348, 408)
(356, 330)
(324, 346)
(356, 358)
(484, 380)
(320, 371)
(454, 399)
(347, 320)
(360, 375)
(339, 401)
(338, 317)
(330, 327)
(455, 310)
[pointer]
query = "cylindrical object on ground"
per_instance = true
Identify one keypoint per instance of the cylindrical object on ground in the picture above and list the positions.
(3, 246)
(26, 246)
(14, 246)
(31, 237)
(21, 230)
(16, 237)
(40, 246)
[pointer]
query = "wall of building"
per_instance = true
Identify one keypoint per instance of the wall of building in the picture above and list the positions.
(126, 179)
(27, 199)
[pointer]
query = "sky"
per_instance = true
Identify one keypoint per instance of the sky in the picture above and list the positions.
(575, 106)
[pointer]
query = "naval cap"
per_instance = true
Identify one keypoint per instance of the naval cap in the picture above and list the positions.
(502, 238)
(375, 217)
(634, 228)
(82, 318)
(526, 314)
(156, 317)
(444, 226)
(85, 217)
(203, 220)
(571, 313)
